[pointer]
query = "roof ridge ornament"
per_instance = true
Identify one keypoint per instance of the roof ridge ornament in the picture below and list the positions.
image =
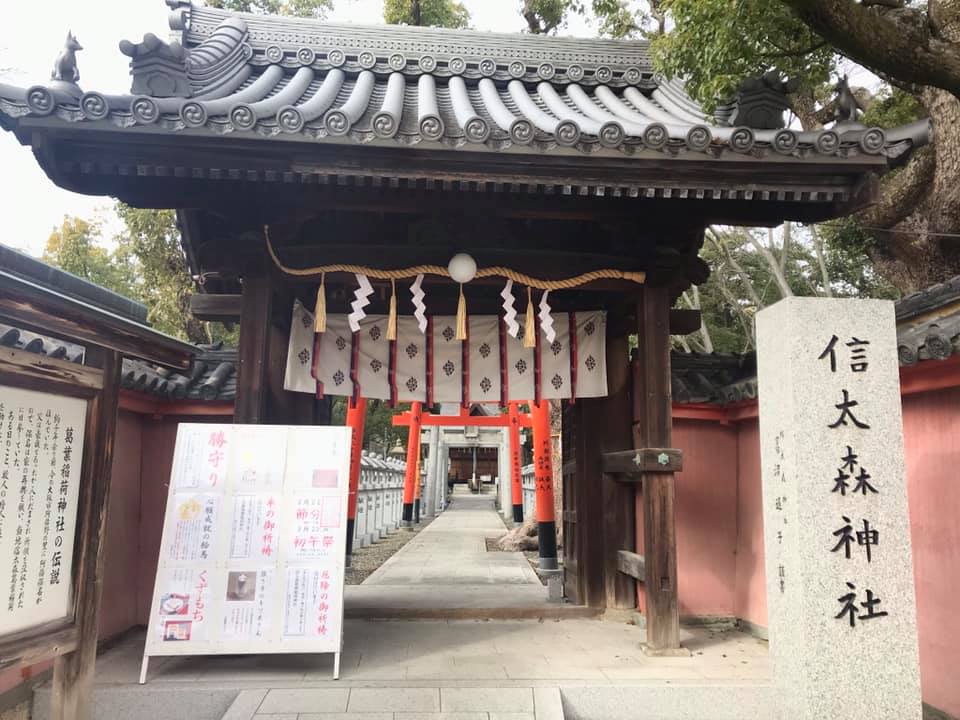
(65, 66)
(158, 68)
(759, 103)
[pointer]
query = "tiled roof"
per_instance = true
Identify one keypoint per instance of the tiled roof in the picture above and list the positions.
(307, 81)
(212, 375)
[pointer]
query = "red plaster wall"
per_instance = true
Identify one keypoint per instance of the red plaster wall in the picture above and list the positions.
(750, 587)
(118, 611)
(159, 438)
(706, 510)
(932, 437)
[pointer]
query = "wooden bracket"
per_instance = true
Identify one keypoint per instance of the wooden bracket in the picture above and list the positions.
(629, 563)
(630, 464)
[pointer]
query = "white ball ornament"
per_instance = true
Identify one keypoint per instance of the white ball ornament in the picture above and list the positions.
(462, 268)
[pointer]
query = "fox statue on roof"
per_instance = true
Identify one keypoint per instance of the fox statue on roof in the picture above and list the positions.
(65, 66)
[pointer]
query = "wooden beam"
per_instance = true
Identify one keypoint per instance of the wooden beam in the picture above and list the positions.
(653, 428)
(40, 372)
(618, 528)
(684, 322)
(631, 564)
(38, 643)
(216, 307)
(633, 463)
(72, 689)
(255, 320)
(34, 307)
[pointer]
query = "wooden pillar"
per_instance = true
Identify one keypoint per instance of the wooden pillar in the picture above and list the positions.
(613, 433)
(72, 690)
(255, 321)
(543, 476)
(516, 479)
(413, 452)
(356, 418)
(653, 429)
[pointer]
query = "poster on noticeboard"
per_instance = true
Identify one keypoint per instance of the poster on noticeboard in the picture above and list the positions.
(254, 540)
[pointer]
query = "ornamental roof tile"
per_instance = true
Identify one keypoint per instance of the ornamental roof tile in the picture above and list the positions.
(308, 81)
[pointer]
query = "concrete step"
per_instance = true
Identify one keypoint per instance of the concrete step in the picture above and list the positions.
(408, 703)
(669, 702)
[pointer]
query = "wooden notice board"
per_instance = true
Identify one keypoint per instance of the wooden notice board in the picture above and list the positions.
(254, 542)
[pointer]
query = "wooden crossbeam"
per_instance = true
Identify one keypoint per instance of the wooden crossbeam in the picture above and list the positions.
(629, 563)
(630, 464)
(403, 420)
(216, 308)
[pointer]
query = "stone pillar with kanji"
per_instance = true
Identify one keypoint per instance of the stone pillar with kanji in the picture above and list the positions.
(841, 604)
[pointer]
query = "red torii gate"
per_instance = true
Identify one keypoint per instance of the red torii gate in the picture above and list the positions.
(538, 419)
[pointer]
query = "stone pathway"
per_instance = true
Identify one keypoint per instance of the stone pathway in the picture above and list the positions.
(446, 572)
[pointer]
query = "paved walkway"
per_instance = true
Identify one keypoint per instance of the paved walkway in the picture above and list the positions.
(447, 570)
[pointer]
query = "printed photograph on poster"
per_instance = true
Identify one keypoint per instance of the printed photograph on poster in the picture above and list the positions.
(41, 450)
(311, 604)
(184, 604)
(248, 604)
(202, 456)
(193, 527)
(254, 532)
(259, 458)
(315, 520)
(313, 460)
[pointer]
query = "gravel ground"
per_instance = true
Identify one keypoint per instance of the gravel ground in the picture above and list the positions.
(367, 560)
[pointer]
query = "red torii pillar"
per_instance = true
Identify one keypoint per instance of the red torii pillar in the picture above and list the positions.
(410, 480)
(356, 418)
(543, 475)
(516, 480)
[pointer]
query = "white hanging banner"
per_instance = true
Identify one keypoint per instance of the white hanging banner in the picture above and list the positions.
(252, 556)
(373, 357)
(555, 360)
(573, 364)
(447, 361)
(300, 352)
(591, 354)
(411, 353)
(484, 370)
(332, 367)
(521, 370)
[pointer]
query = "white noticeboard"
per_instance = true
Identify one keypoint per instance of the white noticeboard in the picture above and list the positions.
(254, 540)
(41, 451)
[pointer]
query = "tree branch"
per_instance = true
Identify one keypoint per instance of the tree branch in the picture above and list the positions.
(898, 42)
(821, 261)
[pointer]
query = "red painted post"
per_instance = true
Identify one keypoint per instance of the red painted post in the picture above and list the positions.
(516, 480)
(413, 454)
(543, 475)
(418, 488)
(356, 417)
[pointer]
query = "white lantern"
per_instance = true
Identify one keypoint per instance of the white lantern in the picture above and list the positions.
(462, 268)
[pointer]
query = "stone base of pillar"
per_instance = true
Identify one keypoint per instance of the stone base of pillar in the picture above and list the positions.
(416, 511)
(547, 537)
(518, 514)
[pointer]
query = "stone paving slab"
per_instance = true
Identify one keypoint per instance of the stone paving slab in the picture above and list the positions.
(486, 699)
(395, 699)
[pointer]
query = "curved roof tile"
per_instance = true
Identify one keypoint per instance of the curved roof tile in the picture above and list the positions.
(312, 81)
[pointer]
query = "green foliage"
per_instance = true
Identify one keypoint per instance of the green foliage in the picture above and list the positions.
(892, 107)
(547, 16)
(296, 8)
(76, 247)
(378, 429)
(428, 13)
(715, 44)
(743, 280)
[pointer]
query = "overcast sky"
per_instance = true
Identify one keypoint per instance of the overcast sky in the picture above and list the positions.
(30, 37)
